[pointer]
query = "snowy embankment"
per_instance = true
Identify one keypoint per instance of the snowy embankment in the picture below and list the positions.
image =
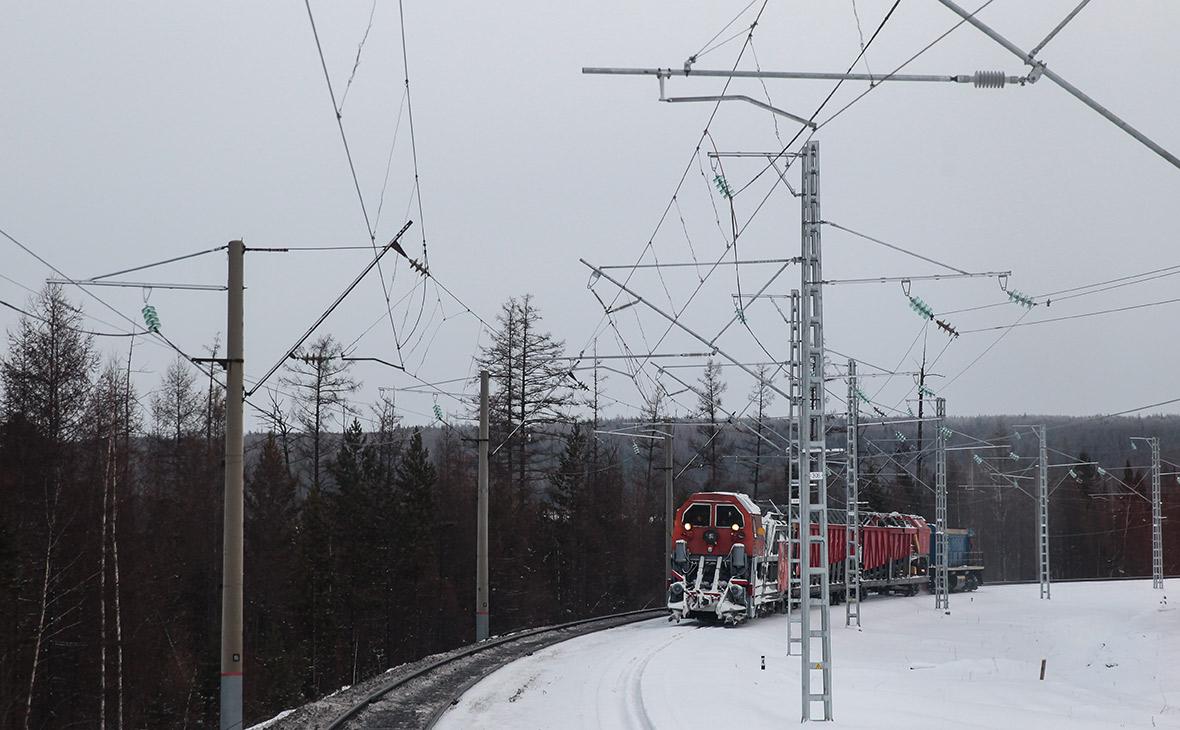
(1112, 654)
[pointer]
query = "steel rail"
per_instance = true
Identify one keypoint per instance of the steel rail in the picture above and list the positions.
(350, 714)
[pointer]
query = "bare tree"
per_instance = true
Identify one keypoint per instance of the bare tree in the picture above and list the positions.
(322, 385)
(176, 406)
(710, 439)
(761, 396)
(532, 386)
(214, 400)
(47, 383)
(279, 422)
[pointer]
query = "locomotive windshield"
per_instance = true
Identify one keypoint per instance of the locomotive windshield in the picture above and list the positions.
(697, 515)
(728, 516)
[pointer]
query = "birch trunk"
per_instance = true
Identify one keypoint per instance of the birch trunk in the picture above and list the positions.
(40, 622)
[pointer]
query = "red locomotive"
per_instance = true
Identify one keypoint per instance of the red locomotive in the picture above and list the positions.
(729, 561)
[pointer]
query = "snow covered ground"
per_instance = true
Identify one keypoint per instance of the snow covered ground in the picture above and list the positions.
(1113, 653)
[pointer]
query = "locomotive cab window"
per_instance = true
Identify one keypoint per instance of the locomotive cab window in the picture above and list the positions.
(697, 515)
(728, 516)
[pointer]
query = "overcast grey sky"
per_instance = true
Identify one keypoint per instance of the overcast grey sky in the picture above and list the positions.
(133, 132)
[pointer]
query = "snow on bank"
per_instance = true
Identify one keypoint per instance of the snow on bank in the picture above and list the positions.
(1111, 648)
(272, 721)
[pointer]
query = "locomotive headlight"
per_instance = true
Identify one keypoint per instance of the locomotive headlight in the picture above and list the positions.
(687, 527)
(735, 528)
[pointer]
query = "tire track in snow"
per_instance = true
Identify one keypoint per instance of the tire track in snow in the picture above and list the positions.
(631, 683)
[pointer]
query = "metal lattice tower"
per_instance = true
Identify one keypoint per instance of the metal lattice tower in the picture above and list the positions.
(1157, 537)
(794, 532)
(813, 483)
(851, 480)
(1042, 512)
(941, 585)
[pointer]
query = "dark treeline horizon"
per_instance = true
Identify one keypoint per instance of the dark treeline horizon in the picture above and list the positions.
(360, 529)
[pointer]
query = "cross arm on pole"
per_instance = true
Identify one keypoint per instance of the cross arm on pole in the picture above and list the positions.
(676, 322)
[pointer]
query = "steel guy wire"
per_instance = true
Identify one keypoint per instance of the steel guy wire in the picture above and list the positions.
(355, 64)
(905, 63)
(824, 103)
(355, 180)
(352, 345)
(688, 166)
(1073, 316)
(208, 372)
(986, 350)
(921, 331)
(1137, 279)
(705, 48)
(898, 464)
(413, 142)
(894, 247)
(1107, 475)
(687, 238)
(78, 310)
(157, 263)
(933, 362)
(104, 303)
(667, 208)
(766, 91)
(375, 262)
(712, 199)
(79, 330)
(389, 159)
(861, 34)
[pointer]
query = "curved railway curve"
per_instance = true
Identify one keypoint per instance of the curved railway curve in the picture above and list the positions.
(417, 696)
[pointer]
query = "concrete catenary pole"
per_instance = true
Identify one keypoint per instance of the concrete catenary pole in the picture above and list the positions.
(481, 535)
(231, 565)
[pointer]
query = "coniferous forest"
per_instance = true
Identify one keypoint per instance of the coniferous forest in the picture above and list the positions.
(360, 525)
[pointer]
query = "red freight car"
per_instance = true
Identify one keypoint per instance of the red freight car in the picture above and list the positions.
(895, 551)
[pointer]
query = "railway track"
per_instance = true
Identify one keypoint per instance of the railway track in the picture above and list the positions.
(418, 698)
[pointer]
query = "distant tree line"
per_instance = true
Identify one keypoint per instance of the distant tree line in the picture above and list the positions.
(360, 529)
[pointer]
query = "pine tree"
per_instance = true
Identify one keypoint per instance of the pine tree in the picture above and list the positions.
(317, 592)
(363, 523)
(566, 516)
(271, 523)
(416, 547)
